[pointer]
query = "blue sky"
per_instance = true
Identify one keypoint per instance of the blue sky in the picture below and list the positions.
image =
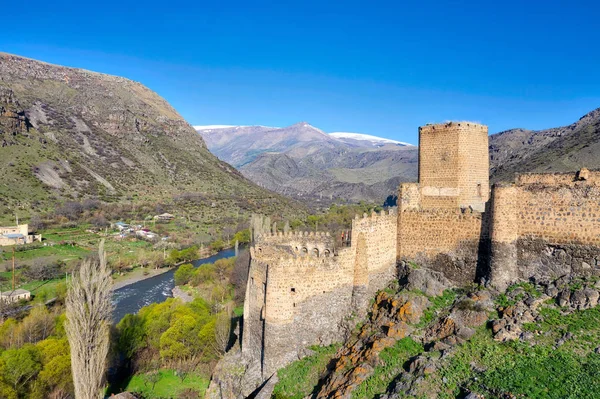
(374, 67)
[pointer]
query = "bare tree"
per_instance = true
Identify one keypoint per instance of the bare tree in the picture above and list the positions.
(223, 330)
(88, 320)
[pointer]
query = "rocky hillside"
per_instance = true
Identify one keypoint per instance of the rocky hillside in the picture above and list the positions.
(68, 133)
(424, 338)
(562, 149)
(303, 161)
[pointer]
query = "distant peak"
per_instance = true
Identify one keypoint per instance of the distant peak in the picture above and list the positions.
(211, 127)
(366, 137)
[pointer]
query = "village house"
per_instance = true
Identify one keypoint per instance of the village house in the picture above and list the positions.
(17, 235)
(165, 217)
(15, 296)
(121, 226)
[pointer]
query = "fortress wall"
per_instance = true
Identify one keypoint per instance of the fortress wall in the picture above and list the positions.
(294, 279)
(307, 300)
(560, 214)
(254, 310)
(558, 179)
(551, 223)
(380, 240)
(449, 241)
(297, 238)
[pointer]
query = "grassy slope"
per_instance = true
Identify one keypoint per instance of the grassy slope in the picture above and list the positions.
(110, 129)
(168, 386)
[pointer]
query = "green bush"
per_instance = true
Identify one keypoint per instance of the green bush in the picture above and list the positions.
(183, 274)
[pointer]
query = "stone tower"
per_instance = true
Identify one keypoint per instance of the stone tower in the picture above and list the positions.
(454, 165)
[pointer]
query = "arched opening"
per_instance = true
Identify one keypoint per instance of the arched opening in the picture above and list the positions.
(327, 253)
(315, 252)
(304, 250)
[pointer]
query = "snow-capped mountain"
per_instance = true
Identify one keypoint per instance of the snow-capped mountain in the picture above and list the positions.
(374, 140)
(303, 160)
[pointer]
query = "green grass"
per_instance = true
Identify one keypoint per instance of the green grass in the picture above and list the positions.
(438, 303)
(168, 386)
(238, 311)
(533, 371)
(392, 360)
(298, 379)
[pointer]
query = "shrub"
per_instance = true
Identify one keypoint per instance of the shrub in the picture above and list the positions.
(183, 274)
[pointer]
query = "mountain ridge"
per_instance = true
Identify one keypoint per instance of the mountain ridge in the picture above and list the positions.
(68, 133)
(367, 171)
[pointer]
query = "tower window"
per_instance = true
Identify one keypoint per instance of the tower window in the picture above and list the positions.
(479, 189)
(293, 290)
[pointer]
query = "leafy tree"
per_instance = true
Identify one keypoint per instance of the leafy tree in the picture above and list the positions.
(132, 335)
(181, 339)
(9, 334)
(242, 236)
(184, 274)
(20, 366)
(56, 371)
(205, 273)
(217, 245)
(37, 325)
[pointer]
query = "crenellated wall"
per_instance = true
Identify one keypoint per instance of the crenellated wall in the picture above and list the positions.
(301, 288)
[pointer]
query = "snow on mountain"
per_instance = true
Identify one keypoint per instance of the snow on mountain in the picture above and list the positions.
(211, 127)
(366, 137)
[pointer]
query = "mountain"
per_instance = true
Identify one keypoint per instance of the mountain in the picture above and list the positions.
(365, 139)
(562, 149)
(68, 133)
(303, 161)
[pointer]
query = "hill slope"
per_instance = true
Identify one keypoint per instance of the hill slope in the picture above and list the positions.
(301, 160)
(69, 133)
(562, 149)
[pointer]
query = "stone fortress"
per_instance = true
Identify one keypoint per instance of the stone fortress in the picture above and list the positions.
(302, 290)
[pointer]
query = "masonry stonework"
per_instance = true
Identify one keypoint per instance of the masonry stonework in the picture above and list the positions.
(302, 289)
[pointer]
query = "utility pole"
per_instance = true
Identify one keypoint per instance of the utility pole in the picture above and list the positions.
(13, 279)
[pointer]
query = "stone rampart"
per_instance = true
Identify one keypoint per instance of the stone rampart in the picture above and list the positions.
(546, 225)
(449, 241)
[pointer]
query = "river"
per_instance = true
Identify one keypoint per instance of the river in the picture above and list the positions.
(133, 297)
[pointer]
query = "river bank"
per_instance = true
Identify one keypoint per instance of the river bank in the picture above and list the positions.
(142, 273)
(148, 289)
(137, 275)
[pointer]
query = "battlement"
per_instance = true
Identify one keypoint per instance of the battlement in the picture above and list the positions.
(583, 176)
(452, 126)
(292, 234)
(373, 218)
